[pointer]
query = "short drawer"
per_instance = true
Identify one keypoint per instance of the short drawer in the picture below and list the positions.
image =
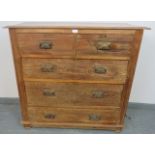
(53, 44)
(72, 94)
(60, 115)
(65, 69)
(110, 42)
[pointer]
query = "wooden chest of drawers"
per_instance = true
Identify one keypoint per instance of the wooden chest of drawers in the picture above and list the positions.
(76, 75)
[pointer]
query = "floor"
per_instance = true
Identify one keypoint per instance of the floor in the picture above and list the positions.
(140, 120)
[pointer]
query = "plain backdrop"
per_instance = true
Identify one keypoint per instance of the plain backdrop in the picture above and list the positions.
(143, 90)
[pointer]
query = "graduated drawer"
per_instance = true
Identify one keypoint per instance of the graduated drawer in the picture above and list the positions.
(60, 115)
(72, 94)
(65, 69)
(40, 43)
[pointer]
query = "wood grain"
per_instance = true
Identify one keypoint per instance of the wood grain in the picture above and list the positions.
(86, 55)
(62, 45)
(72, 94)
(61, 115)
(19, 77)
(120, 42)
(74, 83)
(80, 25)
(70, 31)
(117, 128)
(116, 71)
(65, 45)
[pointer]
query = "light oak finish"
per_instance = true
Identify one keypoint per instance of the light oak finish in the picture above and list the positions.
(70, 115)
(65, 69)
(62, 44)
(75, 75)
(79, 25)
(73, 94)
(19, 77)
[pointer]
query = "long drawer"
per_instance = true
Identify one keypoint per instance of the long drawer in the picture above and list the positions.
(82, 116)
(71, 94)
(65, 69)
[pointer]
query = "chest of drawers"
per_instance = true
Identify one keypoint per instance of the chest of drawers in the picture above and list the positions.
(75, 75)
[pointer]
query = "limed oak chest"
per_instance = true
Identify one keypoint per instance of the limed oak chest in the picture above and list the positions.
(76, 75)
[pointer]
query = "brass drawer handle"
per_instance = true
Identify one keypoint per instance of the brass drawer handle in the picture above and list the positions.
(101, 45)
(47, 68)
(48, 92)
(49, 116)
(98, 94)
(46, 45)
(94, 117)
(100, 70)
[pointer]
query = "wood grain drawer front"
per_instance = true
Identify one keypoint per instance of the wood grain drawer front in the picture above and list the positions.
(68, 94)
(53, 44)
(110, 42)
(59, 115)
(96, 70)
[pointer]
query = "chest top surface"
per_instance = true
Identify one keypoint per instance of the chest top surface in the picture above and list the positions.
(78, 25)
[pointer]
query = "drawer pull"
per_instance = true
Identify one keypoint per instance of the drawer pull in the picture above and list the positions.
(94, 117)
(49, 116)
(48, 92)
(48, 68)
(46, 45)
(103, 45)
(98, 94)
(100, 70)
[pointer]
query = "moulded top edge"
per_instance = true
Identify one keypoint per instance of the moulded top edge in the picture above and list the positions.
(77, 25)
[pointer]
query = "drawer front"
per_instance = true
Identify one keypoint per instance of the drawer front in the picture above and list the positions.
(95, 70)
(110, 42)
(53, 44)
(59, 115)
(69, 94)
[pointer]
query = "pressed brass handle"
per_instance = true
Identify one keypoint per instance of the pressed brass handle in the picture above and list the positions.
(101, 45)
(94, 117)
(100, 70)
(48, 68)
(46, 45)
(49, 116)
(98, 94)
(48, 92)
